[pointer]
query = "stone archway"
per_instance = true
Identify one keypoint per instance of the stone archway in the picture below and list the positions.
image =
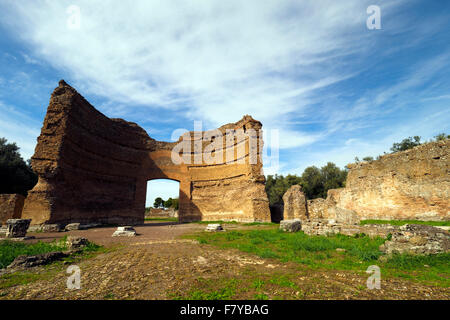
(94, 169)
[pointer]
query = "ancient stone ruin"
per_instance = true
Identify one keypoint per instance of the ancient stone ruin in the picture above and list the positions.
(295, 206)
(413, 184)
(95, 169)
(11, 206)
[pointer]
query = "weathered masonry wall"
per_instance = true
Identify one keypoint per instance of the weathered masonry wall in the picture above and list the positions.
(413, 184)
(95, 169)
(11, 206)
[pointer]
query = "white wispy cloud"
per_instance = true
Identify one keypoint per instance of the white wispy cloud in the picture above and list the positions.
(17, 126)
(211, 60)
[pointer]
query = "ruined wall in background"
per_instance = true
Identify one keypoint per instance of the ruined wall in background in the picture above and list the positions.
(95, 169)
(413, 184)
(11, 206)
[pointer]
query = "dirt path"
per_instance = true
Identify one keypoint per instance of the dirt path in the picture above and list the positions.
(157, 264)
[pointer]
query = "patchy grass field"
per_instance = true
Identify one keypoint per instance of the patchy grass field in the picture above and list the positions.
(337, 252)
(9, 250)
(248, 261)
(403, 222)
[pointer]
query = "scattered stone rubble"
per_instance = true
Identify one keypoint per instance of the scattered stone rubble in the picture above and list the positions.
(73, 244)
(417, 239)
(61, 227)
(125, 231)
(36, 260)
(291, 225)
(409, 238)
(16, 229)
(76, 243)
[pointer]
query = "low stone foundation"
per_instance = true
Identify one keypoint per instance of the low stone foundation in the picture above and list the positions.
(418, 239)
(330, 227)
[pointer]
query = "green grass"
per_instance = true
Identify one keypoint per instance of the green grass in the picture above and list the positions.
(259, 224)
(403, 222)
(319, 252)
(205, 289)
(162, 219)
(9, 250)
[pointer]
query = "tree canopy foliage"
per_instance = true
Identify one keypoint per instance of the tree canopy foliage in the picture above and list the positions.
(158, 202)
(16, 175)
(169, 203)
(406, 144)
(315, 182)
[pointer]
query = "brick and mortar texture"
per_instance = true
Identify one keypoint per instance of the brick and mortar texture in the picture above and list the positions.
(413, 184)
(11, 206)
(95, 169)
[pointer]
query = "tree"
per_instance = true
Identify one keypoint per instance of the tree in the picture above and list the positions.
(158, 202)
(312, 182)
(168, 203)
(16, 175)
(175, 203)
(315, 182)
(406, 144)
(332, 177)
(441, 136)
(368, 159)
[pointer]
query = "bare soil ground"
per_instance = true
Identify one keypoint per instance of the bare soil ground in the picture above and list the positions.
(158, 264)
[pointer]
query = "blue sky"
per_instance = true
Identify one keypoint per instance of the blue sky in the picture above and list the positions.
(311, 70)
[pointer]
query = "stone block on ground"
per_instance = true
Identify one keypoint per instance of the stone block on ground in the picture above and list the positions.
(290, 225)
(17, 228)
(125, 231)
(213, 227)
(36, 260)
(74, 243)
(73, 226)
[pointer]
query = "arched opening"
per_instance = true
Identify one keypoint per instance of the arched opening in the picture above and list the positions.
(162, 199)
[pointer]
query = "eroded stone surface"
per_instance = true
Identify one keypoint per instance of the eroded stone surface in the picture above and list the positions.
(17, 228)
(11, 206)
(95, 169)
(330, 227)
(214, 227)
(36, 260)
(413, 184)
(418, 239)
(125, 231)
(74, 243)
(291, 225)
(295, 206)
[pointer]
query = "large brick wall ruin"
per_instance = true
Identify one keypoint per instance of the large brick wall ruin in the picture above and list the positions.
(95, 169)
(413, 184)
(11, 206)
